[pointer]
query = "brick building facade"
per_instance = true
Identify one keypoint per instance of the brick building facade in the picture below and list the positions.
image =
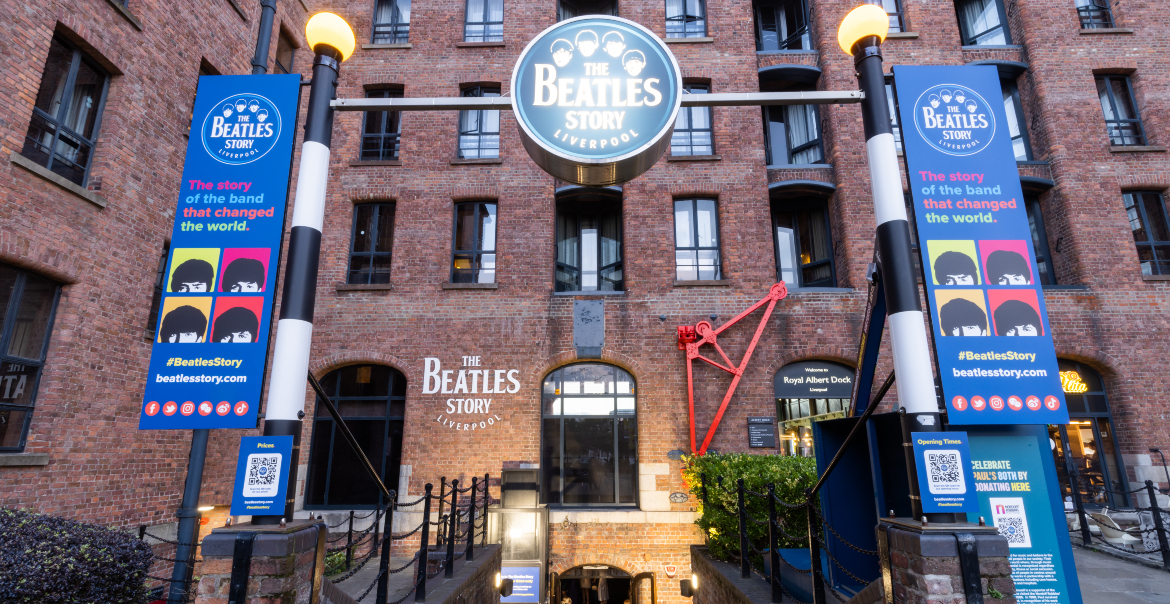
(100, 239)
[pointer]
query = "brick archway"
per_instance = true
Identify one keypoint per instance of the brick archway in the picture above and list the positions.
(560, 565)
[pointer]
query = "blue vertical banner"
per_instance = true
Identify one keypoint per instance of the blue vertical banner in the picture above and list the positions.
(209, 356)
(945, 482)
(1016, 484)
(262, 475)
(991, 335)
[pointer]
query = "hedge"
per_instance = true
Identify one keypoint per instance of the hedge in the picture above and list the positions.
(719, 519)
(50, 560)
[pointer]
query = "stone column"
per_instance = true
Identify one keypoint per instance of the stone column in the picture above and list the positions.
(923, 563)
(285, 565)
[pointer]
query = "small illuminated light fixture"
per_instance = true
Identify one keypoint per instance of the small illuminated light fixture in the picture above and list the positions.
(688, 587)
(206, 508)
(503, 586)
(862, 22)
(330, 30)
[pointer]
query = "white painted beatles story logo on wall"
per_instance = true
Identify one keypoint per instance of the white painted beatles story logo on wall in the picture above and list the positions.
(468, 413)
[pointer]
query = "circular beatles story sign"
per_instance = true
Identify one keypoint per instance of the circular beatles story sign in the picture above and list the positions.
(596, 98)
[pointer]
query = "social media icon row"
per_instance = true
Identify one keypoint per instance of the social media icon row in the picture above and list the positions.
(205, 408)
(1013, 402)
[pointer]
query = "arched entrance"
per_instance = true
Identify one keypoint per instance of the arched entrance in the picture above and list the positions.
(593, 584)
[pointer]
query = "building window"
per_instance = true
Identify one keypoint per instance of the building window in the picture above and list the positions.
(1095, 14)
(799, 404)
(372, 400)
(474, 248)
(1086, 450)
(159, 285)
(391, 22)
(1121, 115)
(589, 241)
(1151, 230)
(1040, 241)
(479, 129)
(67, 112)
(484, 21)
(686, 19)
(589, 436)
(804, 243)
(781, 25)
(373, 240)
(792, 135)
(982, 22)
(285, 51)
(1015, 119)
(692, 128)
(893, 8)
(696, 240)
(28, 303)
(567, 9)
(381, 130)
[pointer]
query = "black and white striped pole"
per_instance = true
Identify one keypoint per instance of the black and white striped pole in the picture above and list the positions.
(332, 41)
(861, 34)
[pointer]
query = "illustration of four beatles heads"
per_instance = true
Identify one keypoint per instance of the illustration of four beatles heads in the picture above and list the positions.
(962, 317)
(188, 324)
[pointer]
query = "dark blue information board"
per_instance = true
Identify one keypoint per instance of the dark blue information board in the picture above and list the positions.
(525, 583)
(991, 334)
(262, 475)
(208, 360)
(945, 482)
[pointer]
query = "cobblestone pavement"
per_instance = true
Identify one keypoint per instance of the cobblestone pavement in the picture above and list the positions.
(1109, 580)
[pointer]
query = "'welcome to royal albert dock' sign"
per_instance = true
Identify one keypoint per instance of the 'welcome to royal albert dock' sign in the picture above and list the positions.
(596, 98)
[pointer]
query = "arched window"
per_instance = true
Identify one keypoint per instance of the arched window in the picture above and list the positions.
(1086, 450)
(372, 400)
(589, 436)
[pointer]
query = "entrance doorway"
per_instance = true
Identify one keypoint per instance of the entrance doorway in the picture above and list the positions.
(593, 584)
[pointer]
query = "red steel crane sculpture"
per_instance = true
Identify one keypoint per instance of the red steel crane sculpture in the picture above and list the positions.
(691, 338)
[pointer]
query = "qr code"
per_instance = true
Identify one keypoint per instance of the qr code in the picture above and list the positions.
(1014, 529)
(944, 468)
(262, 470)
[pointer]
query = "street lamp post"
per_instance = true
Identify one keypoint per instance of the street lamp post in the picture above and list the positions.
(332, 41)
(861, 34)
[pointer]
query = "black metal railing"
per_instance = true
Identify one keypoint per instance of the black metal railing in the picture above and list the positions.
(815, 527)
(164, 554)
(1154, 538)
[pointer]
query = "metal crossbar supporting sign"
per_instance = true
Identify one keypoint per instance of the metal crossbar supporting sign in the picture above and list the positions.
(691, 338)
(730, 99)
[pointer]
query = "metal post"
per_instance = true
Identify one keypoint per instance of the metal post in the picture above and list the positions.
(774, 546)
(420, 592)
(471, 520)
(188, 517)
(263, 37)
(907, 326)
(349, 542)
(814, 551)
(1086, 535)
(745, 569)
(1158, 526)
(440, 537)
(452, 531)
(377, 524)
(384, 563)
(294, 330)
(487, 498)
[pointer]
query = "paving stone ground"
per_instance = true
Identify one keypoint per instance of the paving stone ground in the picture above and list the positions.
(1109, 580)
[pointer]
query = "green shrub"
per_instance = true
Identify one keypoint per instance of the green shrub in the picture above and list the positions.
(49, 560)
(718, 517)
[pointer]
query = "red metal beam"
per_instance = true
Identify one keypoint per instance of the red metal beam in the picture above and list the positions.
(691, 338)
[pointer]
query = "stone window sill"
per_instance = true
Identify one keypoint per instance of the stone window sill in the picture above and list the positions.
(471, 162)
(480, 44)
(406, 46)
(704, 40)
(906, 35)
(1155, 277)
(1136, 149)
(591, 293)
(125, 12)
(236, 6)
(1106, 30)
(58, 180)
(364, 287)
(703, 283)
(388, 162)
(13, 460)
(694, 157)
(471, 286)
